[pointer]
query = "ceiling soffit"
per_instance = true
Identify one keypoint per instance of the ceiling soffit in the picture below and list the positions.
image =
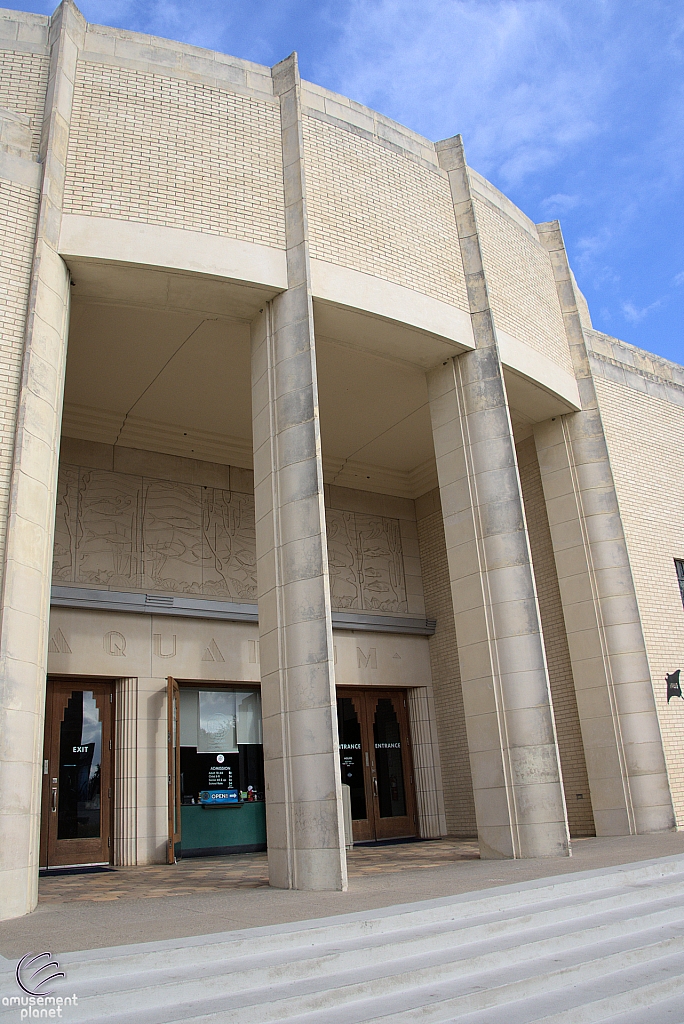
(160, 360)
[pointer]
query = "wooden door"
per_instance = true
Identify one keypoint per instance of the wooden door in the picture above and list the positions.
(77, 774)
(355, 761)
(174, 805)
(375, 761)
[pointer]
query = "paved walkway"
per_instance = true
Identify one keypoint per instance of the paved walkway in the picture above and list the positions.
(199, 897)
(240, 871)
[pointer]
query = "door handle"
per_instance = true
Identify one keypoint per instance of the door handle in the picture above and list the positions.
(375, 785)
(54, 799)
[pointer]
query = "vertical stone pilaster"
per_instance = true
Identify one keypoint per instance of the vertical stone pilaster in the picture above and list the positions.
(426, 767)
(519, 803)
(620, 732)
(30, 529)
(303, 789)
(126, 773)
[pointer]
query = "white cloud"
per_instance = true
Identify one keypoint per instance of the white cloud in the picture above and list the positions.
(636, 315)
(679, 279)
(498, 72)
(559, 204)
(589, 247)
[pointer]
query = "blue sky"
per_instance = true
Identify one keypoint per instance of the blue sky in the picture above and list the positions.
(574, 108)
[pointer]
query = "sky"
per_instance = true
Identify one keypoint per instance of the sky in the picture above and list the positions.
(573, 108)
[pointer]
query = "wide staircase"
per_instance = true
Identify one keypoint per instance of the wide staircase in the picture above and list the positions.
(603, 945)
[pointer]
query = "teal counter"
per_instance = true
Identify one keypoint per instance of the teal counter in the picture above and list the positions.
(207, 831)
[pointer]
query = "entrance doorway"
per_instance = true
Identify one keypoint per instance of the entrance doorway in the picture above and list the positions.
(76, 822)
(375, 761)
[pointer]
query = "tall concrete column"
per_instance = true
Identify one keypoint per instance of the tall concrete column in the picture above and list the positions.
(126, 773)
(519, 803)
(27, 569)
(622, 743)
(301, 762)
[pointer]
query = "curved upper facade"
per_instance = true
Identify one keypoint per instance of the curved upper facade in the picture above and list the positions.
(187, 142)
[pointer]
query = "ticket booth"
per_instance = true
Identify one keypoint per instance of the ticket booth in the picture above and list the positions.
(216, 770)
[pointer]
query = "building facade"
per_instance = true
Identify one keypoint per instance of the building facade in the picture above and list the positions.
(313, 474)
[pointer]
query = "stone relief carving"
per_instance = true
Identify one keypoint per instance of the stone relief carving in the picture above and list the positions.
(229, 545)
(109, 548)
(172, 538)
(134, 533)
(65, 525)
(366, 563)
(58, 643)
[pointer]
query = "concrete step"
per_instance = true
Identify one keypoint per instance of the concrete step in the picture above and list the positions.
(542, 951)
(501, 909)
(434, 957)
(537, 988)
(622, 997)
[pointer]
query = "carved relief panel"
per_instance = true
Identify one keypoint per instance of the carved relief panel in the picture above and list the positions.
(366, 563)
(108, 534)
(228, 545)
(64, 560)
(133, 533)
(124, 532)
(171, 517)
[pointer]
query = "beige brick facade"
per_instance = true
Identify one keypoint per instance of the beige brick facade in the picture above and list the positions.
(392, 205)
(23, 81)
(160, 150)
(575, 781)
(645, 435)
(520, 283)
(18, 212)
(446, 677)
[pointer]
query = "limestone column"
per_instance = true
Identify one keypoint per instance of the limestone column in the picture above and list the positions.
(126, 772)
(622, 743)
(27, 569)
(303, 789)
(519, 803)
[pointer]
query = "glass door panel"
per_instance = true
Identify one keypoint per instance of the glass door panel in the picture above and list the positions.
(80, 764)
(388, 760)
(77, 774)
(375, 762)
(395, 814)
(352, 756)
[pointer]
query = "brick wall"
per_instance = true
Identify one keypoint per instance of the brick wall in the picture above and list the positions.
(18, 213)
(23, 81)
(521, 285)
(374, 210)
(446, 677)
(182, 154)
(645, 436)
(573, 765)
